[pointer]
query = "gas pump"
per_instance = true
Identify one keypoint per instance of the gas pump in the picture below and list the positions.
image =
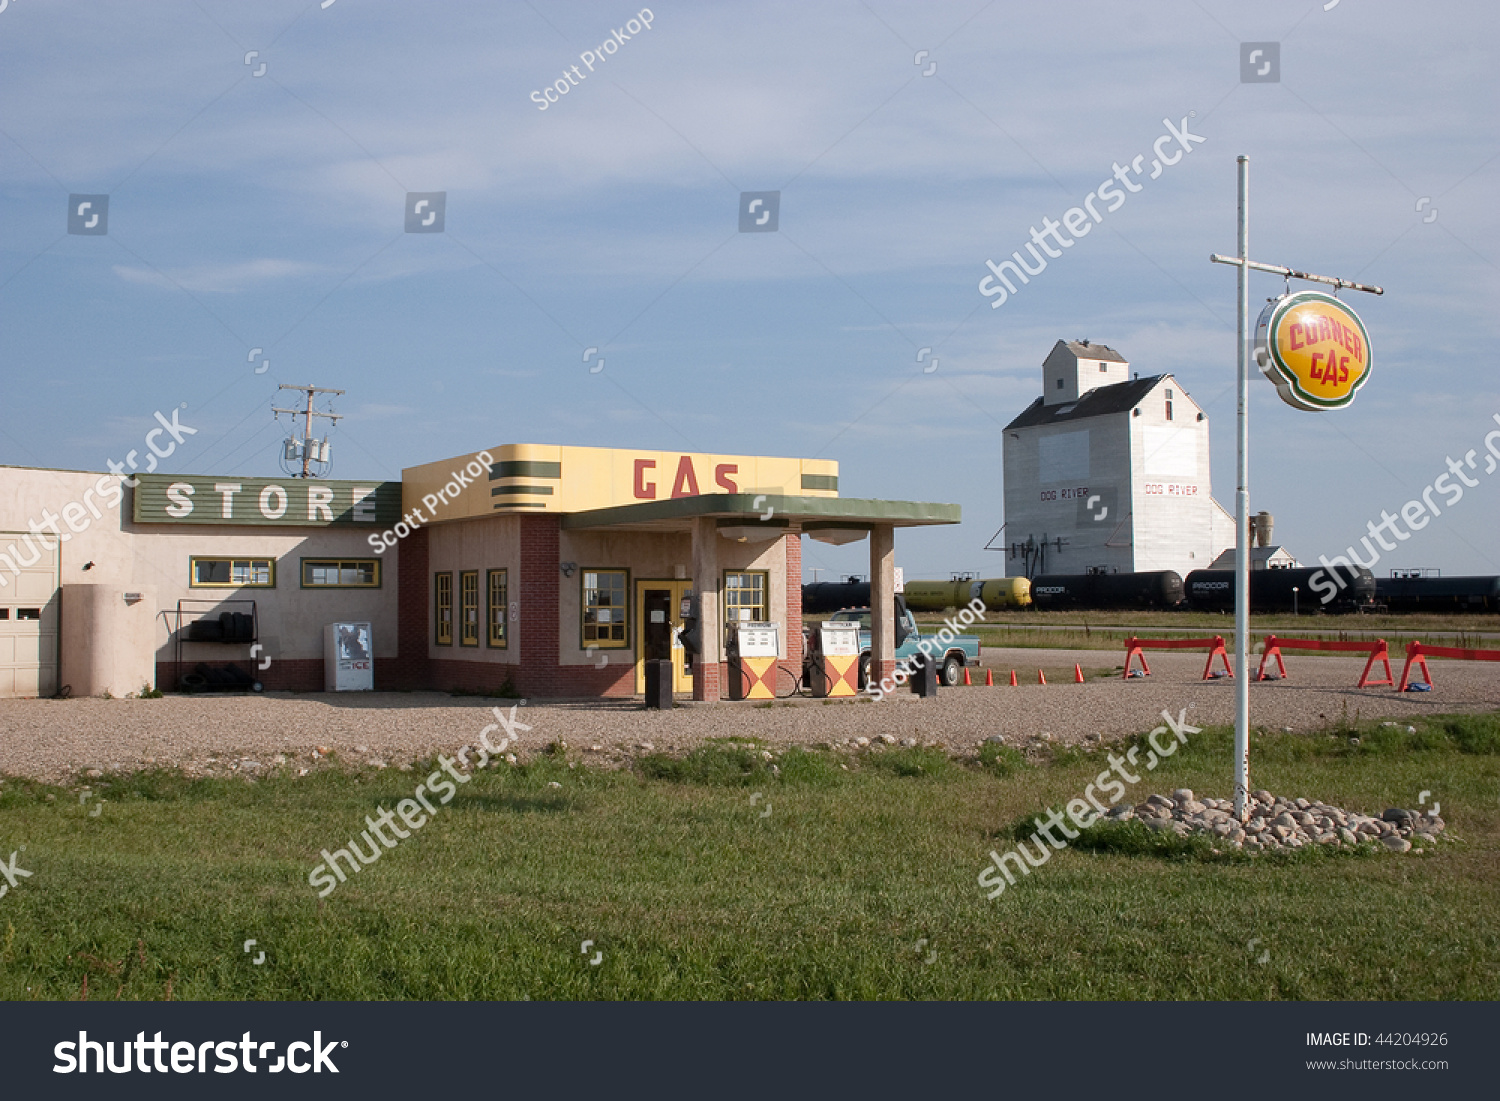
(833, 668)
(751, 652)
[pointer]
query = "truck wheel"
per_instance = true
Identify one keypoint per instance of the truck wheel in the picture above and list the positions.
(953, 670)
(864, 671)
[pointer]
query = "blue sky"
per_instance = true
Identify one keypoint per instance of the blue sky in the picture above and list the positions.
(267, 212)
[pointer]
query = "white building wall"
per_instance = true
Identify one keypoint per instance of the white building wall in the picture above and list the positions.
(1137, 496)
(1053, 475)
(1171, 497)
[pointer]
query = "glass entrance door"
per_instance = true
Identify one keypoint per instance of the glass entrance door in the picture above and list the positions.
(658, 611)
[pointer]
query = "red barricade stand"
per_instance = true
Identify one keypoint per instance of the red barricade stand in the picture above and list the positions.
(1135, 647)
(1377, 650)
(1419, 653)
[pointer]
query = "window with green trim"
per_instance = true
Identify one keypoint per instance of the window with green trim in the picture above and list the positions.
(468, 608)
(604, 610)
(498, 586)
(341, 573)
(442, 590)
(745, 597)
(232, 573)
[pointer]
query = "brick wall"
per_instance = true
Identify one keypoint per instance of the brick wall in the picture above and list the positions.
(793, 661)
(292, 675)
(410, 668)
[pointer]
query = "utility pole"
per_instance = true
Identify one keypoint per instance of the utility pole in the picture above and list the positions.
(309, 413)
(1245, 265)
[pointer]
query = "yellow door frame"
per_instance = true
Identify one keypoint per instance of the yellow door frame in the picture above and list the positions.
(681, 682)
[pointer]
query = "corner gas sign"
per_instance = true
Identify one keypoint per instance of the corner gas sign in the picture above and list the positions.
(1314, 348)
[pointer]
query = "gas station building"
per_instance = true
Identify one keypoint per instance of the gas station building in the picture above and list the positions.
(556, 570)
(565, 568)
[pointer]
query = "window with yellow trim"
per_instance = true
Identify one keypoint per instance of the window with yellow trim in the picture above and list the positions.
(499, 600)
(232, 573)
(341, 573)
(442, 590)
(468, 608)
(604, 610)
(745, 598)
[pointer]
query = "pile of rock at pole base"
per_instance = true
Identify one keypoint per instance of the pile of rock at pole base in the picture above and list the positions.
(1275, 823)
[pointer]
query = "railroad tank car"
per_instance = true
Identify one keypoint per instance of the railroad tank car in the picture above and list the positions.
(1439, 594)
(1271, 590)
(824, 597)
(934, 596)
(996, 593)
(1147, 589)
(1005, 592)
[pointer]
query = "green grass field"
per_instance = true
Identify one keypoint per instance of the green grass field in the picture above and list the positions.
(858, 883)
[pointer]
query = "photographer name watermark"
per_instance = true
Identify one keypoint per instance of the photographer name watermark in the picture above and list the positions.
(571, 77)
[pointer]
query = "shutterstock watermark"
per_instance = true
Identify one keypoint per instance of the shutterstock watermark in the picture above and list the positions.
(410, 810)
(78, 515)
(1080, 220)
(971, 613)
(1083, 814)
(1327, 582)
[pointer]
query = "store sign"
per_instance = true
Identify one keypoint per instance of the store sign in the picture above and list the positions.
(294, 502)
(1314, 348)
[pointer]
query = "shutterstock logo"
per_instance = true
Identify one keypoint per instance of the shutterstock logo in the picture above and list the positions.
(426, 211)
(760, 211)
(88, 215)
(187, 1057)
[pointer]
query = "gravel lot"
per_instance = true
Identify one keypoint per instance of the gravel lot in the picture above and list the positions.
(60, 739)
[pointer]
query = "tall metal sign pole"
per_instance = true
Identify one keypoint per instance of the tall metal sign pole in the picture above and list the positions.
(1242, 503)
(1293, 326)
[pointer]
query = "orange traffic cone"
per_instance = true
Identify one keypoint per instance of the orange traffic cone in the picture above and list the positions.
(1012, 678)
(989, 678)
(1077, 674)
(967, 681)
(1041, 678)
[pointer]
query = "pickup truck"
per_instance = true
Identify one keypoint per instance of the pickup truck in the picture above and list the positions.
(963, 650)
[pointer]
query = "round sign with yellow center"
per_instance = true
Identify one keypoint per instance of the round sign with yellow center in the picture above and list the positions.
(1314, 348)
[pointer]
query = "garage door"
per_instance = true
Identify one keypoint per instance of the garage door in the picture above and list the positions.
(28, 627)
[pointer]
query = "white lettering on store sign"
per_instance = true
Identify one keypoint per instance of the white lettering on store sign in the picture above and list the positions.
(272, 502)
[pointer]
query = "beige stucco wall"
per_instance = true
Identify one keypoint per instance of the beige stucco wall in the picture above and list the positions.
(107, 634)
